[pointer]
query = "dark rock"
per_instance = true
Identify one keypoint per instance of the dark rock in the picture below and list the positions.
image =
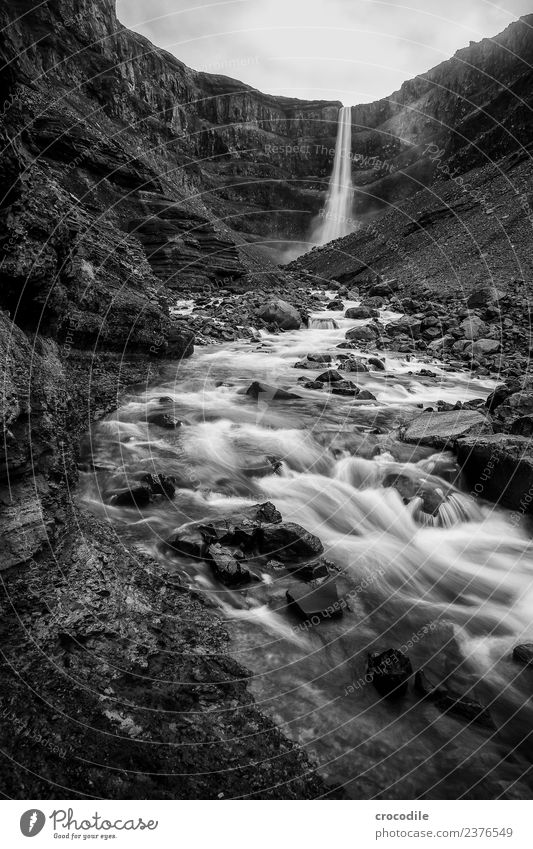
(461, 707)
(335, 305)
(500, 394)
(280, 313)
(160, 485)
(365, 395)
(483, 295)
(499, 467)
(524, 654)
(523, 426)
(409, 488)
(385, 288)
(316, 603)
(440, 430)
(390, 671)
(407, 325)
(164, 420)
(378, 364)
(226, 567)
(346, 388)
(242, 529)
(289, 542)
(365, 333)
(138, 496)
(330, 376)
(313, 384)
(320, 358)
(354, 364)
(361, 312)
(265, 392)
(189, 541)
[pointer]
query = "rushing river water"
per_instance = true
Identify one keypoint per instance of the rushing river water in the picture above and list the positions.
(455, 586)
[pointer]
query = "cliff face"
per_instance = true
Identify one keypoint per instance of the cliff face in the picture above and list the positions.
(464, 113)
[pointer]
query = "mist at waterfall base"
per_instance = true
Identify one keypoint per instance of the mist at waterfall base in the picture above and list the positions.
(454, 585)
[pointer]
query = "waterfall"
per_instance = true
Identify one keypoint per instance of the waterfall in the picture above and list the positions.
(336, 219)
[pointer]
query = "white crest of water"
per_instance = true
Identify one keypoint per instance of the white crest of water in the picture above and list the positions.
(336, 220)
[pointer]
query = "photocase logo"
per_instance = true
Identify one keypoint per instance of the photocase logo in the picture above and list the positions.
(32, 822)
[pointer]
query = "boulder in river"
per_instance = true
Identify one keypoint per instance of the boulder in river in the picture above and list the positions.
(378, 364)
(239, 529)
(361, 312)
(330, 376)
(441, 429)
(316, 603)
(524, 654)
(160, 484)
(390, 671)
(165, 420)
(279, 312)
(335, 305)
(499, 467)
(265, 392)
(449, 702)
(227, 567)
(289, 541)
(319, 358)
(135, 496)
(364, 333)
(346, 388)
(354, 364)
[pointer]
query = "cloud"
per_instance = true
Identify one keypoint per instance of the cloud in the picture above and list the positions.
(348, 50)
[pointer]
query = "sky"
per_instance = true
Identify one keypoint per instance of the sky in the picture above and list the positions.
(354, 51)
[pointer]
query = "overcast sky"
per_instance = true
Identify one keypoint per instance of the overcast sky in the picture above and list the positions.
(348, 50)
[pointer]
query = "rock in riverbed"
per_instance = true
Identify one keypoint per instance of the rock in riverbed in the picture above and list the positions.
(461, 707)
(280, 313)
(441, 430)
(524, 654)
(499, 467)
(390, 671)
(316, 603)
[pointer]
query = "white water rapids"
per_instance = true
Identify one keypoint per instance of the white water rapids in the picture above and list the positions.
(336, 219)
(456, 586)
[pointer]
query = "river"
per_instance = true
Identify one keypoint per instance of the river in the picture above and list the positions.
(453, 585)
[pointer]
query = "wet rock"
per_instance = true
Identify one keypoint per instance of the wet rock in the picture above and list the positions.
(305, 364)
(500, 394)
(313, 384)
(180, 342)
(226, 567)
(164, 420)
(441, 429)
(319, 358)
(160, 485)
(354, 364)
(524, 654)
(280, 313)
(137, 496)
(378, 364)
(316, 603)
(265, 392)
(289, 542)
(499, 467)
(365, 333)
(335, 305)
(330, 376)
(361, 312)
(390, 671)
(449, 702)
(409, 488)
(523, 426)
(346, 388)
(189, 541)
(242, 529)
(365, 395)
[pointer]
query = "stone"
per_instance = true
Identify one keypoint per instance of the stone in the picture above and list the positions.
(361, 312)
(281, 313)
(330, 376)
(319, 358)
(226, 567)
(384, 288)
(409, 488)
(378, 364)
(345, 388)
(313, 384)
(353, 364)
(473, 327)
(449, 702)
(160, 484)
(442, 429)
(289, 542)
(482, 348)
(315, 604)
(483, 295)
(499, 467)
(264, 392)
(523, 654)
(444, 343)
(523, 426)
(135, 496)
(188, 541)
(242, 529)
(390, 671)
(164, 420)
(335, 305)
(365, 395)
(407, 325)
(365, 333)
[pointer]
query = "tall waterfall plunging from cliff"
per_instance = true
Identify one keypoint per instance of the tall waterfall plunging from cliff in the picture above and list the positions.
(336, 219)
